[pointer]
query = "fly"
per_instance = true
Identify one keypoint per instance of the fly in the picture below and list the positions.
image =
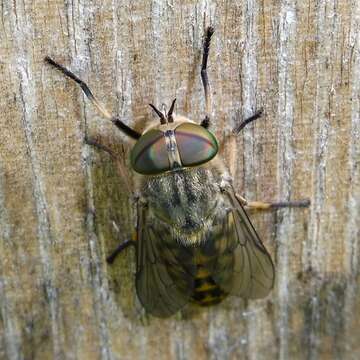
(195, 242)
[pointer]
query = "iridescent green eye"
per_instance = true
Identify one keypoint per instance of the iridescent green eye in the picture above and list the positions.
(149, 155)
(196, 145)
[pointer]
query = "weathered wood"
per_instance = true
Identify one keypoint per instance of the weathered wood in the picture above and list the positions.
(60, 199)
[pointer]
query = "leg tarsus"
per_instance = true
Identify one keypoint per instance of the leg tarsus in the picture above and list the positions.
(93, 142)
(248, 120)
(204, 76)
(237, 129)
(296, 203)
(111, 258)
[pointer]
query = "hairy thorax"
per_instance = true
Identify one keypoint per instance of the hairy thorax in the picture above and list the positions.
(184, 199)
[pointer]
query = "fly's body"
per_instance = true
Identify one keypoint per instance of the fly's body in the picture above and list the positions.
(187, 203)
(193, 233)
(195, 242)
(186, 208)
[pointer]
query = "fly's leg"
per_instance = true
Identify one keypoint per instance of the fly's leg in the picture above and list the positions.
(111, 258)
(205, 81)
(261, 205)
(99, 146)
(248, 120)
(116, 121)
(119, 165)
(204, 77)
(92, 142)
(238, 128)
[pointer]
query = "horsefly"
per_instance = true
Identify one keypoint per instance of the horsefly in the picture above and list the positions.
(195, 242)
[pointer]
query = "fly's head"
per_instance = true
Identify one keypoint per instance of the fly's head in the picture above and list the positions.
(174, 144)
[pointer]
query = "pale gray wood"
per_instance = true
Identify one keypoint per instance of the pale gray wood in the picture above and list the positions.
(60, 199)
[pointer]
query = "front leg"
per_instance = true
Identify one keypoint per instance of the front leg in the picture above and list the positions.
(119, 165)
(204, 77)
(248, 120)
(115, 120)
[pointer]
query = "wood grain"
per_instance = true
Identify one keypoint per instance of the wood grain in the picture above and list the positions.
(63, 207)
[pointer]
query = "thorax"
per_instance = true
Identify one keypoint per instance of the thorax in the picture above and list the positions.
(184, 199)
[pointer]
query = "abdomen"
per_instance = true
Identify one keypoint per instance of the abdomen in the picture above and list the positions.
(208, 290)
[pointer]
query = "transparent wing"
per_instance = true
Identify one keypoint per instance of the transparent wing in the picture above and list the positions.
(244, 266)
(165, 269)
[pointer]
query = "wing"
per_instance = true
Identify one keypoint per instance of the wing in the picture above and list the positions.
(243, 256)
(165, 269)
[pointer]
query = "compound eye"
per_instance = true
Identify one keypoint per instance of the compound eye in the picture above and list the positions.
(149, 155)
(196, 145)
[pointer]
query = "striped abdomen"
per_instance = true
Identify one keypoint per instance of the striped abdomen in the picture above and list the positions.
(206, 290)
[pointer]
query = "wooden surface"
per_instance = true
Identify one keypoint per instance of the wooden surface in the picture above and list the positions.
(60, 199)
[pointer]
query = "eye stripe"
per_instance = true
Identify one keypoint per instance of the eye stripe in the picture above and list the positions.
(195, 137)
(146, 148)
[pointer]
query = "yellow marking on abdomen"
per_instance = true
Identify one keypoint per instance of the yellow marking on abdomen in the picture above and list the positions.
(205, 287)
(202, 273)
(211, 300)
(206, 291)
